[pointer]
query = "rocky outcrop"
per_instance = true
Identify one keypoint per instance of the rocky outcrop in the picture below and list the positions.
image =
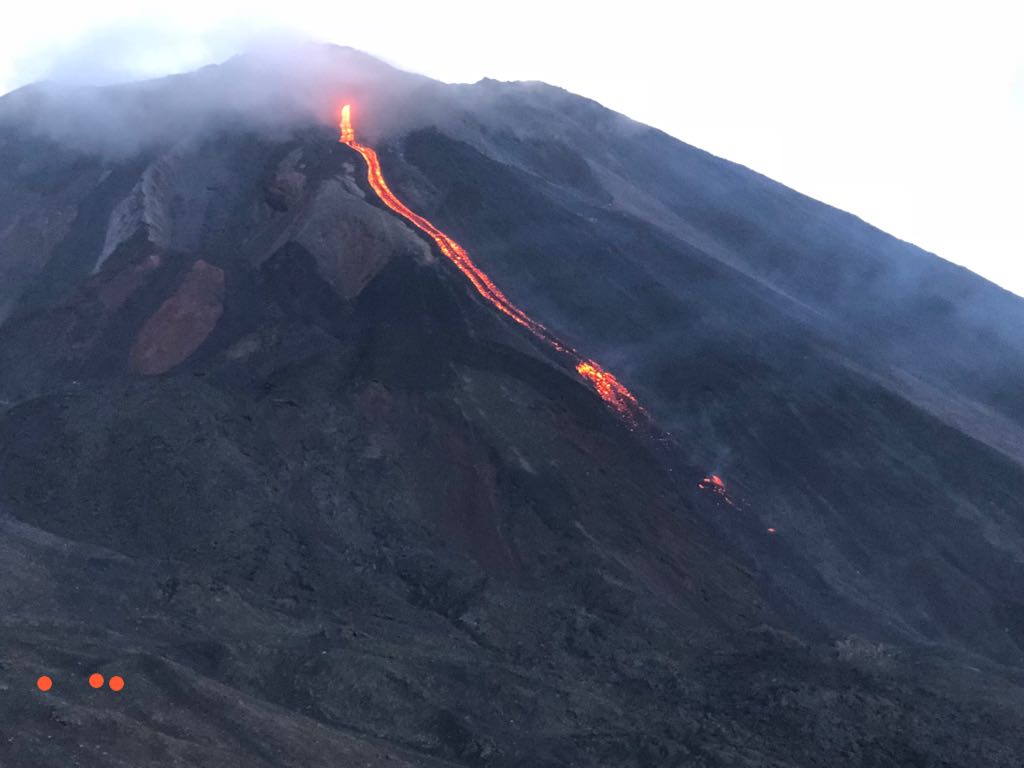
(284, 191)
(147, 205)
(182, 323)
(352, 240)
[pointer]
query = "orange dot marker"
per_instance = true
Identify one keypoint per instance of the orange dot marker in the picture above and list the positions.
(44, 683)
(116, 683)
(96, 680)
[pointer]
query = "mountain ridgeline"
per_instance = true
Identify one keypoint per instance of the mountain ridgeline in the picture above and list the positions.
(269, 453)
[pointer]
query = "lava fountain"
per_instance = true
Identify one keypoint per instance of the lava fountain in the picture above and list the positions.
(603, 382)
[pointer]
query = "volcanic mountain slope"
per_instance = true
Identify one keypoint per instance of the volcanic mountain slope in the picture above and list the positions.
(857, 392)
(266, 454)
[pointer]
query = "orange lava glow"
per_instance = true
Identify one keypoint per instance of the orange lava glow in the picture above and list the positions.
(716, 485)
(348, 136)
(610, 389)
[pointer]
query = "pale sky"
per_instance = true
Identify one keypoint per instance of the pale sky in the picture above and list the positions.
(908, 114)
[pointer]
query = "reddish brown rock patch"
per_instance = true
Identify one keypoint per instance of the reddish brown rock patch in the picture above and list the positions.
(182, 323)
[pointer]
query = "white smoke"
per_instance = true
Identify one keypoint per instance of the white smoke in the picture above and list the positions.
(277, 86)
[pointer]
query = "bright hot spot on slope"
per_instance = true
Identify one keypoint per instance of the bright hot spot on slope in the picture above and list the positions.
(609, 388)
(716, 485)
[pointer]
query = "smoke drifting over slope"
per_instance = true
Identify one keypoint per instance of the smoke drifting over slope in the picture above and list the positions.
(274, 88)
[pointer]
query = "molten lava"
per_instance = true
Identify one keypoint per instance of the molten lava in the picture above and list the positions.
(610, 389)
(714, 480)
(348, 136)
(716, 485)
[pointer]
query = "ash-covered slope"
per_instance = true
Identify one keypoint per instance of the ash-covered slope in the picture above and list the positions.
(266, 454)
(860, 395)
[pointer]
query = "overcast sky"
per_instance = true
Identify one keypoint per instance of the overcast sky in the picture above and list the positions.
(908, 114)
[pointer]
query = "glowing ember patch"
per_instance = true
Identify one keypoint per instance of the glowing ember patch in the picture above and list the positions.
(716, 485)
(610, 389)
(713, 482)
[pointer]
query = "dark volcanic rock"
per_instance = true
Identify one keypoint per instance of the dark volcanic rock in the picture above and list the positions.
(182, 323)
(265, 454)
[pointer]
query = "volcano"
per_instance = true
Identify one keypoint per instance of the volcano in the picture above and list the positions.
(486, 428)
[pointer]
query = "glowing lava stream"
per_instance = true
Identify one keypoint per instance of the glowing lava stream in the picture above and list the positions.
(610, 389)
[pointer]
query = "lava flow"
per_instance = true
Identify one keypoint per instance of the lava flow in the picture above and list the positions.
(610, 389)
(716, 485)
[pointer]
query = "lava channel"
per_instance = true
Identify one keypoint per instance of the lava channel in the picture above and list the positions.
(603, 382)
